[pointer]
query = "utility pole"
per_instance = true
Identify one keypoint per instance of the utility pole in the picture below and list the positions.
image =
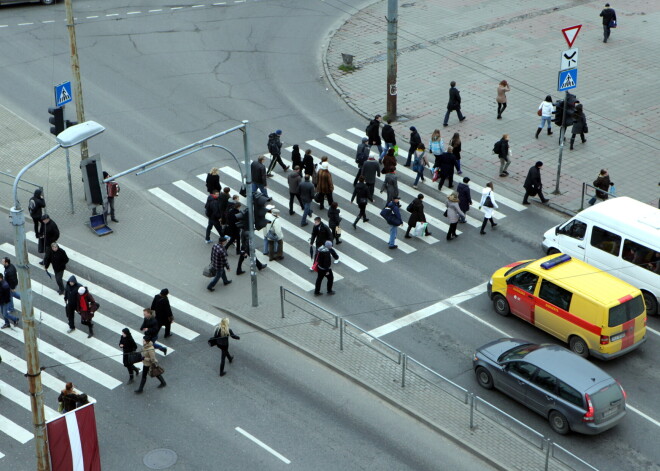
(250, 205)
(75, 70)
(392, 22)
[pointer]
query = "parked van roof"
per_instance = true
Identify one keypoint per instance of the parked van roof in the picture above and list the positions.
(636, 216)
(586, 279)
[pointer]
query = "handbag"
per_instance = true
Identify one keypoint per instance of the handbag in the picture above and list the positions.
(271, 235)
(396, 150)
(133, 357)
(209, 271)
(446, 213)
(156, 370)
(612, 23)
(338, 230)
(488, 202)
(539, 112)
(243, 191)
(318, 197)
(315, 264)
(436, 174)
(420, 229)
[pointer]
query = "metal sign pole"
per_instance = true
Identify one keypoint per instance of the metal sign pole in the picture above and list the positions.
(248, 194)
(562, 135)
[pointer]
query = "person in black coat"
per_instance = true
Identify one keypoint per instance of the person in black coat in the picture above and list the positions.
(415, 141)
(416, 210)
(221, 340)
(150, 329)
(334, 220)
(232, 229)
(533, 183)
(245, 253)
(71, 301)
(49, 233)
(35, 207)
(362, 193)
(308, 163)
(223, 204)
(464, 197)
(320, 233)
(213, 181)
(324, 256)
(388, 136)
(213, 213)
(454, 104)
(373, 133)
(128, 345)
(161, 306)
(58, 257)
(258, 173)
(11, 277)
(446, 162)
(608, 14)
(361, 156)
(296, 158)
(579, 125)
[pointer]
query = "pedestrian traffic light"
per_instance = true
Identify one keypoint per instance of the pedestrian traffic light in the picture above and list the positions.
(259, 201)
(69, 123)
(242, 219)
(571, 101)
(57, 120)
(559, 112)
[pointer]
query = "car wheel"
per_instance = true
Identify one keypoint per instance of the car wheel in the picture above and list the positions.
(47, 2)
(558, 422)
(501, 305)
(579, 346)
(552, 251)
(484, 378)
(651, 303)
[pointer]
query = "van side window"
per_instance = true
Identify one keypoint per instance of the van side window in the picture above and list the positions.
(524, 280)
(575, 229)
(555, 295)
(546, 381)
(569, 394)
(640, 255)
(522, 369)
(605, 241)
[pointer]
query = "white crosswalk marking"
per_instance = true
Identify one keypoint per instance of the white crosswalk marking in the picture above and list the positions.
(99, 318)
(67, 360)
(14, 430)
(23, 399)
(500, 198)
(202, 220)
(137, 285)
(305, 236)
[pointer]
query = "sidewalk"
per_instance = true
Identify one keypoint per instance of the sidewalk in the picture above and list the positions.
(478, 43)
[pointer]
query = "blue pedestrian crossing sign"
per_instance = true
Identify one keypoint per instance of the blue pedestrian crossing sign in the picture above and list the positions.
(63, 94)
(567, 79)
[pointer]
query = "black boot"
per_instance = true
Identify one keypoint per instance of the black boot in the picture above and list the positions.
(483, 226)
(355, 222)
(91, 331)
(538, 131)
(549, 132)
(130, 379)
(162, 381)
(572, 142)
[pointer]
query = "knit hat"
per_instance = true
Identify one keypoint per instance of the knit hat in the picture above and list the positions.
(328, 244)
(278, 132)
(81, 290)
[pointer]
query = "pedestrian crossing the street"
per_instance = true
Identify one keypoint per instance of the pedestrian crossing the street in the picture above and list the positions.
(362, 249)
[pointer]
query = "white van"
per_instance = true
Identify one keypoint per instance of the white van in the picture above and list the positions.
(620, 236)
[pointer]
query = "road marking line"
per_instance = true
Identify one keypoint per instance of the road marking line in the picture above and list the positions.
(133, 12)
(92, 17)
(653, 331)
(642, 414)
(202, 220)
(426, 312)
(25, 24)
(262, 445)
(14, 430)
(500, 199)
(198, 6)
(23, 399)
(305, 236)
(154, 11)
(176, 8)
(47, 379)
(112, 14)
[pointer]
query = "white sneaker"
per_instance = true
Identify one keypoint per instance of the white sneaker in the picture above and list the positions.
(336, 261)
(414, 187)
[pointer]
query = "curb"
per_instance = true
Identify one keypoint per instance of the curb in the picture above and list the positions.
(255, 325)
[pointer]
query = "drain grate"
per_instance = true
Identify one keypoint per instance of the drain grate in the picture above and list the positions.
(161, 458)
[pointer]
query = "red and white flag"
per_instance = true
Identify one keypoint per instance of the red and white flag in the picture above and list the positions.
(72, 441)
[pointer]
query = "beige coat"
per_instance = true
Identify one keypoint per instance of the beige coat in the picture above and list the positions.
(149, 354)
(501, 93)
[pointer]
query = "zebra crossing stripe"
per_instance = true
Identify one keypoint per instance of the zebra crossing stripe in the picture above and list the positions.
(372, 229)
(23, 399)
(137, 285)
(288, 248)
(99, 318)
(500, 198)
(47, 380)
(67, 360)
(14, 430)
(305, 236)
(202, 220)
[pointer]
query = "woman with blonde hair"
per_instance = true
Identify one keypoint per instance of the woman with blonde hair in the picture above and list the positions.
(436, 145)
(502, 88)
(454, 214)
(213, 180)
(221, 340)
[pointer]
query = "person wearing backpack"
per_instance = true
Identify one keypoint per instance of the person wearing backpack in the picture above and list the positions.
(392, 215)
(501, 148)
(388, 136)
(275, 149)
(373, 133)
(36, 205)
(361, 156)
(112, 191)
(420, 163)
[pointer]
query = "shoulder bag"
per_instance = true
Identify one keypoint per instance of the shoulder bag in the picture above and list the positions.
(209, 271)
(271, 235)
(156, 370)
(488, 202)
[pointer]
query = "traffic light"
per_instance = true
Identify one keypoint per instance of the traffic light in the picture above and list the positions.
(57, 120)
(259, 201)
(242, 219)
(571, 101)
(69, 123)
(559, 112)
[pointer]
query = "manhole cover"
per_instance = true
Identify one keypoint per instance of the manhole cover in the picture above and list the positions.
(160, 459)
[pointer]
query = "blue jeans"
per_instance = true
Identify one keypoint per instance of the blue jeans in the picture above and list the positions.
(275, 246)
(14, 294)
(261, 188)
(6, 314)
(393, 232)
(420, 174)
(157, 345)
(546, 119)
(307, 211)
(219, 274)
(388, 146)
(380, 149)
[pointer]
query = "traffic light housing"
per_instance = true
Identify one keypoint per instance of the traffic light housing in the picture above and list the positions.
(571, 101)
(57, 120)
(68, 123)
(559, 112)
(259, 201)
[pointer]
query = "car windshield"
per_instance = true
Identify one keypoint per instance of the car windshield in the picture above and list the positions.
(626, 311)
(518, 267)
(606, 397)
(516, 353)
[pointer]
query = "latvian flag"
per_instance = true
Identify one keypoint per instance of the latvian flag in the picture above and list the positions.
(72, 441)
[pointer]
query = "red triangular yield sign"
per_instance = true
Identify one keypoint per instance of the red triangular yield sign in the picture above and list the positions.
(570, 34)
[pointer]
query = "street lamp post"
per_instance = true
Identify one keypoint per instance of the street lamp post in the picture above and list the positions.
(67, 138)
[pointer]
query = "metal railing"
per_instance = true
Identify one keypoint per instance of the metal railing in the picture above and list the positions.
(417, 387)
(21, 186)
(586, 193)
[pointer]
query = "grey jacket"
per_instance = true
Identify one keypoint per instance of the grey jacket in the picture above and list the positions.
(391, 186)
(453, 211)
(306, 192)
(294, 180)
(370, 169)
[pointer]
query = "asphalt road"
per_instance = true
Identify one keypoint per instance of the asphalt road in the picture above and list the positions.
(161, 80)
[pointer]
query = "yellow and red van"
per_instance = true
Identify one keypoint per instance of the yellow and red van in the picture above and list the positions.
(594, 312)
